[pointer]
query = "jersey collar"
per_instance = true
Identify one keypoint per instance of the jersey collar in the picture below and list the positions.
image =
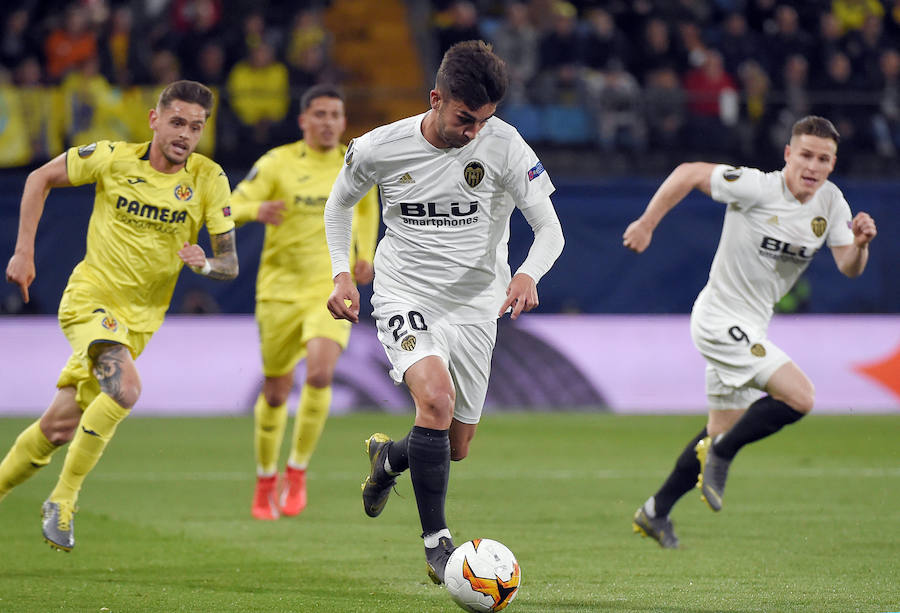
(788, 194)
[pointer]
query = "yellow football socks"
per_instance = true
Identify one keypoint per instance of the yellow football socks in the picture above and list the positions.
(309, 423)
(30, 452)
(269, 424)
(97, 427)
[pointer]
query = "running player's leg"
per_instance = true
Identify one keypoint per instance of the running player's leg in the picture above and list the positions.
(269, 420)
(652, 518)
(461, 435)
(791, 395)
(315, 401)
(433, 393)
(280, 333)
(470, 347)
(35, 446)
(120, 386)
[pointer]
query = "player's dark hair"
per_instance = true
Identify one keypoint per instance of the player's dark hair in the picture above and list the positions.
(816, 126)
(322, 90)
(187, 91)
(471, 73)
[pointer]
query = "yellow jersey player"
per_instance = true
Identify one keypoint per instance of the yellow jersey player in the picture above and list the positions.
(151, 200)
(286, 189)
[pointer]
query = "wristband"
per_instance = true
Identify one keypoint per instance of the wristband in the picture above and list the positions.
(206, 268)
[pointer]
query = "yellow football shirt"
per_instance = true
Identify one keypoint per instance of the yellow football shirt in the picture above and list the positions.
(295, 259)
(141, 218)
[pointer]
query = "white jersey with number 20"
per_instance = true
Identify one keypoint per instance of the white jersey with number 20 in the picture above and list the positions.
(446, 213)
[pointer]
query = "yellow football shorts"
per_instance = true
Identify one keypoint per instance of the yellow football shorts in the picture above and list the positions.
(286, 327)
(84, 321)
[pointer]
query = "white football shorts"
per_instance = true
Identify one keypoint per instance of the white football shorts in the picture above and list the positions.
(408, 336)
(739, 359)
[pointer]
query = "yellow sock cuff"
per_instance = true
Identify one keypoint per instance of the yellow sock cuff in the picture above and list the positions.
(315, 396)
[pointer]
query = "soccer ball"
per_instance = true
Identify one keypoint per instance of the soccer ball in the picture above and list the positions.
(482, 575)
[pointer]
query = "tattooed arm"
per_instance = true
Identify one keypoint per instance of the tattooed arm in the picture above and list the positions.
(222, 267)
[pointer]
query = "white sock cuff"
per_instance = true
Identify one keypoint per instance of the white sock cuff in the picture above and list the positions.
(432, 540)
(650, 507)
(387, 466)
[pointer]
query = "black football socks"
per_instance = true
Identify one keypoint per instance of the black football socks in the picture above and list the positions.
(429, 470)
(398, 456)
(681, 480)
(766, 416)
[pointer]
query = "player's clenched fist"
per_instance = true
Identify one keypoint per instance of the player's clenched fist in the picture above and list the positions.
(864, 229)
(637, 236)
(344, 292)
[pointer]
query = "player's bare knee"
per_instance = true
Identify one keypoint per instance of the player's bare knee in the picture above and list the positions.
(804, 401)
(459, 452)
(275, 397)
(439, 403)
(802, 398)
(319, 377)
(59, 430)
(434, 410)
(277, 389)
(126, 395)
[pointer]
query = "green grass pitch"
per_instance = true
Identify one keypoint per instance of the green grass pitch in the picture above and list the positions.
(811, 522)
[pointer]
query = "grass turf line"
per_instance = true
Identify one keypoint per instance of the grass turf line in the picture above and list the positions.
(809, 523)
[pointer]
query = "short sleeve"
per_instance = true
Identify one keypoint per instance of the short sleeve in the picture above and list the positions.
(840, 232)
(218, 208)
(736, 185)
(526, 180)
(85, 164)
(255, 188)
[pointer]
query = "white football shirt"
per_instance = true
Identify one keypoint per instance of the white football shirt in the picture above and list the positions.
(768, 239)
(446, 213)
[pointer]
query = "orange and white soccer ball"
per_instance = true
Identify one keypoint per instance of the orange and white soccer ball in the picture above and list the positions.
(482, 575)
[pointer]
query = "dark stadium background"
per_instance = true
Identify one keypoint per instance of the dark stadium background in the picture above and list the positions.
(607, 108)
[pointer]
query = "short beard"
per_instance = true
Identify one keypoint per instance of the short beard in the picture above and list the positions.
(174, 162)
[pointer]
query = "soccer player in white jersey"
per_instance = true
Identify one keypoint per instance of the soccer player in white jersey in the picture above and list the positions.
(449, 180)
(774, 224)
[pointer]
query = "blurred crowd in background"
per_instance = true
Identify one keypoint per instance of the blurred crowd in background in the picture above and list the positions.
(636, 79)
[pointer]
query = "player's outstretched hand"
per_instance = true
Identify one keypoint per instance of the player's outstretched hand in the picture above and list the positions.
(271, 212)
(637, 236)
(344, 291)
(864, 229)
(363, 272)
(521, 295)
(20, 271)
(193, 256)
